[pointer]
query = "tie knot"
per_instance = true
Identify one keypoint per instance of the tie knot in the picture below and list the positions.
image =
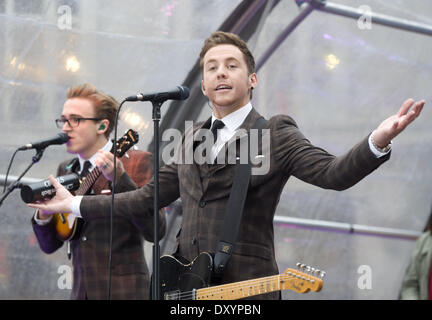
(85, 169)
(217, 124)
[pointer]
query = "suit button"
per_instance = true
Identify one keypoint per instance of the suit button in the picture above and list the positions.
(194, 240)
(202, 204)
(84, 239)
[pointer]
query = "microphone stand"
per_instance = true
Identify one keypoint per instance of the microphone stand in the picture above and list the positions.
(156, 115)
(15, 184)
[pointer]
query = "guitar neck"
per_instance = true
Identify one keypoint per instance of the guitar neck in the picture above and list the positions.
(91, 178)
(88, 181)
(243, 289)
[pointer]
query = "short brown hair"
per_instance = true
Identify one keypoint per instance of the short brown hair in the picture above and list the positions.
(105, 106)
(221, 37)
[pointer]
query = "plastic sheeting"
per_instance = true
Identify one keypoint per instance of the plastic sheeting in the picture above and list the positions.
(337, 80)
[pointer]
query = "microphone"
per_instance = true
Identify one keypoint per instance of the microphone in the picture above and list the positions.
(58, 139)
(44, 189)
(179, 93)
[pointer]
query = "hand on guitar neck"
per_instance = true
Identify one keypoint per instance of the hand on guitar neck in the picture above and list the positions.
(105, 163)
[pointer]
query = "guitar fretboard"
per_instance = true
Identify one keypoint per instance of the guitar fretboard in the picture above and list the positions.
(243, 289)
(295, 280)
(88, 181)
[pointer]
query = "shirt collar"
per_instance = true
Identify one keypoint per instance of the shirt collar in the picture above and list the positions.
(92, 159)
(236, 118)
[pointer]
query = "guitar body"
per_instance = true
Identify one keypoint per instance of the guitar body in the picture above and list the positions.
(65, 231)
(179, 279)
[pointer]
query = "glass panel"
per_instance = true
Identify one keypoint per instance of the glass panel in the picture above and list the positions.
(339, 82)
(122, 47)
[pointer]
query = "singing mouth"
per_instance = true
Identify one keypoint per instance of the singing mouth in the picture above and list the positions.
(223, 87)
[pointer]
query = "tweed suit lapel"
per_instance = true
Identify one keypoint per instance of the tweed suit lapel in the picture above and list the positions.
(71, 166)
(194, 173)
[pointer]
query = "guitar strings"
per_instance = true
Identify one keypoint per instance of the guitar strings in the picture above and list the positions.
(224, 289)
(89, 181)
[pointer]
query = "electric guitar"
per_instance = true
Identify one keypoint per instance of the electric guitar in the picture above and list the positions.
(180, 280)
(67, 225)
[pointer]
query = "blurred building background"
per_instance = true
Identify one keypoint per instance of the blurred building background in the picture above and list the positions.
(338, 77)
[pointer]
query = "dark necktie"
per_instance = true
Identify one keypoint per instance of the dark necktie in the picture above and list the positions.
(85, 171)
(217, 124)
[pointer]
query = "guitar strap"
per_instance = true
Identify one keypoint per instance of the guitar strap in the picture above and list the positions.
(234, 209)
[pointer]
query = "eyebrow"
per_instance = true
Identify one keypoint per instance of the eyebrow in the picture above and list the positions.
(227, 59)
(75, 116)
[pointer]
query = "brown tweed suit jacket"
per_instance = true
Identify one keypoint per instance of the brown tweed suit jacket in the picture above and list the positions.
(204, 191)
(90, 251)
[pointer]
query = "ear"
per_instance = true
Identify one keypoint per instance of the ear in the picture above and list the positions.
(103, 126)
(203, 88)
(253, 80)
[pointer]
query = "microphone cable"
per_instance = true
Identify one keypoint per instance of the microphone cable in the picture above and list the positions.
(8, 169)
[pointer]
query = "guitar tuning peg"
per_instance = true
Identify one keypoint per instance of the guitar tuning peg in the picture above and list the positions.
(322, 274)
(317, 272)
(298, 264)
(312, 270)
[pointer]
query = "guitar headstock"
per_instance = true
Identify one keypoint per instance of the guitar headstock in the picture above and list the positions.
(303, 279)
(129, 139)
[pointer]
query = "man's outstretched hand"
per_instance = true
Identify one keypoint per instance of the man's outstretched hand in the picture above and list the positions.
(395, 124)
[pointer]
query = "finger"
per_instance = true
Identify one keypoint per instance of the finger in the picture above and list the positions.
(105, 165)
(405, 107)
(408, 118)
(418, 107)
(109, 156)
(54, 182)
(119, 163)
(100, 157)
(36, 206)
